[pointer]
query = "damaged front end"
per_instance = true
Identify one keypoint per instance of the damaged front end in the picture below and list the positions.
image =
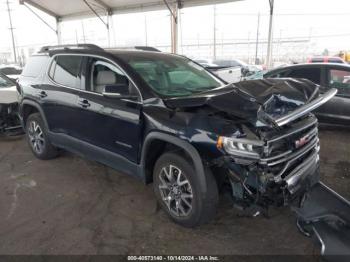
(269, 147)
(274, 159)
(275, 170)
(10, 124)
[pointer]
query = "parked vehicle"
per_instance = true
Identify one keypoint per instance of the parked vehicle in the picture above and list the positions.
(327, 75)
(11, 71)
(9, 120)
(228, 74)
(166, 120)
(247, 69)
(326, 59)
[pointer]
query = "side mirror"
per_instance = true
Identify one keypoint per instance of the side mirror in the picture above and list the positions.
(120, 91)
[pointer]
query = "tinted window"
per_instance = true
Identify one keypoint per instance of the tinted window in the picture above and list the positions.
(335, 60)
(340, 79)
(317, 60)
(34, 66)
(277, 74)
(313, 74)
(65, 69)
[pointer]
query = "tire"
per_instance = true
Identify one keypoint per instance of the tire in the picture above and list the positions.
(37, 138)
(170, 189)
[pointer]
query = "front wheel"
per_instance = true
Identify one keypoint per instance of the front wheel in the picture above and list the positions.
(177, 188)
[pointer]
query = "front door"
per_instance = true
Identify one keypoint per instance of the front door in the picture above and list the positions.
(109, 123)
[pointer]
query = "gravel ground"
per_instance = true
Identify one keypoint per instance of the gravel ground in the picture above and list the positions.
(70, 205)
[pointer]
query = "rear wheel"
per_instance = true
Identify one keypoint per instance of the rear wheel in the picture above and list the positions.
(177, 187)
(38, 139)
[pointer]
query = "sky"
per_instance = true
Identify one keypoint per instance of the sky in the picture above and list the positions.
(301, 28)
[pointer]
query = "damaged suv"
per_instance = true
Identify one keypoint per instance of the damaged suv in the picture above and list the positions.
(165, 119)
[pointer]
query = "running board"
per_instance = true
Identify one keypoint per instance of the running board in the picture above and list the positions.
(325, 216)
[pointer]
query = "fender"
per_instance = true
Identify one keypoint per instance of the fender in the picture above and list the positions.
(190, 150)
(33, 104)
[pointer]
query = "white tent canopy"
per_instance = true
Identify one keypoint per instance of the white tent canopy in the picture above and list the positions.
(64, 10)
(76, 9)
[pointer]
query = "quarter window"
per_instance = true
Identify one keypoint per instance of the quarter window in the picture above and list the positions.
(65, 70)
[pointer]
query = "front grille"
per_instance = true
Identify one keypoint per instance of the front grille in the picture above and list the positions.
(291, 148)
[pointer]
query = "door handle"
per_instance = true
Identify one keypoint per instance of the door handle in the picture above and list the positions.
(84, 103)
(42, 94)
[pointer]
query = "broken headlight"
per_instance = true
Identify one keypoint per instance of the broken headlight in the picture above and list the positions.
(240, 147)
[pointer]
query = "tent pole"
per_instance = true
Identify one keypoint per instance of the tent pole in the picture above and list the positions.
(269, 43)
(58, 31)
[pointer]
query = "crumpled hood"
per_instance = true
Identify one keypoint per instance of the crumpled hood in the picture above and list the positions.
(257, 101)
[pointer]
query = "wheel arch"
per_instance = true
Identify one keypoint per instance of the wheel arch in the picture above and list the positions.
(29, 107)
(154, 141)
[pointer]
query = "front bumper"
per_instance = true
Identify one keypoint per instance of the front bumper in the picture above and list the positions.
(325, 215)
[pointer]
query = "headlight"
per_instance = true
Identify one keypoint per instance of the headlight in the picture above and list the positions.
(240, 147)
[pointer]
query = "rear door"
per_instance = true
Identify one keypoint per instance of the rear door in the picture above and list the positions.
(60, 92)
(109, 123)
(337, 110)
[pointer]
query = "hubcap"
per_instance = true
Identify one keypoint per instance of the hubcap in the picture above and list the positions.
(175, 190)
(36, 137)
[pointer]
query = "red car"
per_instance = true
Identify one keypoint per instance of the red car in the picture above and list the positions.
(326, 59)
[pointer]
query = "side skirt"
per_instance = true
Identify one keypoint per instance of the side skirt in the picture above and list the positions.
(95, 153)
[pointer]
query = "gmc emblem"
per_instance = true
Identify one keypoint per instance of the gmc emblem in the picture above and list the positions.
(301, 141)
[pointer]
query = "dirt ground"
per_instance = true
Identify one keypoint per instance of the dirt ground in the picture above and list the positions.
(73, 206)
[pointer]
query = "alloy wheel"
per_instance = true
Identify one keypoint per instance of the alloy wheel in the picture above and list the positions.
(36, 137)
(175, 190)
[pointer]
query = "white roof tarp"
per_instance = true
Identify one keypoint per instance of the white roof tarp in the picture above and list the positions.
(76, 9)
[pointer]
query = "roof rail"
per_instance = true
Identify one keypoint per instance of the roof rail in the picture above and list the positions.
(67, 47)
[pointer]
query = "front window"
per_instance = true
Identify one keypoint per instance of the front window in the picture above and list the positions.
(173, 76)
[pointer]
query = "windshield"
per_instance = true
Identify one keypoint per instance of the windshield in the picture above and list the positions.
(5, 82)
(173, 76)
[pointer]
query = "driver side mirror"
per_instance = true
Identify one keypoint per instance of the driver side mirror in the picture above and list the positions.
(120, 91)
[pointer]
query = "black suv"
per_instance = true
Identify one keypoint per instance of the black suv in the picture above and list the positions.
(165, 119)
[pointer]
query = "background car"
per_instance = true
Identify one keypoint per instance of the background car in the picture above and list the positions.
(11, 71)
(230, 74)
(246, 69)
(327, 75)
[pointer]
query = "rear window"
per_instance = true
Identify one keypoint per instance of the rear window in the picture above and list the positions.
(65, 69)
(34, 66)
